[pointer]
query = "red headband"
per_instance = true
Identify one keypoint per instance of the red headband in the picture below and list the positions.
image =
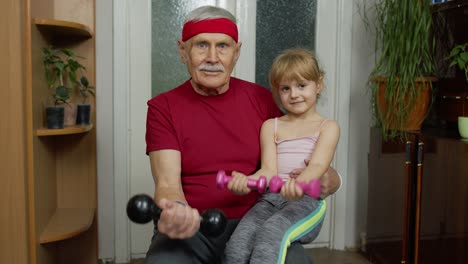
(217, 25)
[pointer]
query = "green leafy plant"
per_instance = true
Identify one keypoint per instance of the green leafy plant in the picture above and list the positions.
(62, 68)
(459, 57)
(404, 55)
(86, 89)
(55, 70)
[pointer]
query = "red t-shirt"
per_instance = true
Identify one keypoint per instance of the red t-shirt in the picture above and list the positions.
(212, 133)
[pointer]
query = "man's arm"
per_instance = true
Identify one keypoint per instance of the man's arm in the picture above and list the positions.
(166, 168)
(178, 219)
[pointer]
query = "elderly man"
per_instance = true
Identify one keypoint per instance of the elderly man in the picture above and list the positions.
(209, 123)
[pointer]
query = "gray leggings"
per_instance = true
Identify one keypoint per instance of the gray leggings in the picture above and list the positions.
(267, 230)
(204, 250)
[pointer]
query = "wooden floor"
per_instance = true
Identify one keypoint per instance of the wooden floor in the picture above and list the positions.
(327, 256)
(323, 256)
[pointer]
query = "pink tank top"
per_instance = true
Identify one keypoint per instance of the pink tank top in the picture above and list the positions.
(293, 152)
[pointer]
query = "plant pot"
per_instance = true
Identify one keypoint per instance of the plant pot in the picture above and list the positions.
(417, 113)
(70, 114)
(83, 115)
(463, 126)
(55, 117)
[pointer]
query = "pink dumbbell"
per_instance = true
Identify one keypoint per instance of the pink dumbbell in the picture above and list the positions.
(222, 180)
(312, 188)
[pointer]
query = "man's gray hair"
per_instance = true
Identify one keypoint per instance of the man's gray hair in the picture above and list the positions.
(209, 12)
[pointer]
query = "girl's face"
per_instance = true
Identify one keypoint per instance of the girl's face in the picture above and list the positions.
(299, 97)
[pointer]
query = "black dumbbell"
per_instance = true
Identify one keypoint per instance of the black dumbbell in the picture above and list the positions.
(142, 209)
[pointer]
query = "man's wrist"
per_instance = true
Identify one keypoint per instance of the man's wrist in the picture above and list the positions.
(180, 202)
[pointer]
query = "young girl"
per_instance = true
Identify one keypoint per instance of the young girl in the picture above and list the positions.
(302, 138)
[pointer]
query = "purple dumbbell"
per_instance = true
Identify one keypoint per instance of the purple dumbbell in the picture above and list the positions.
(222, 180)
(312, 188)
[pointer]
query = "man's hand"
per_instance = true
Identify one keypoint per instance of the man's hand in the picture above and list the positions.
(178, 221)
(329, 183)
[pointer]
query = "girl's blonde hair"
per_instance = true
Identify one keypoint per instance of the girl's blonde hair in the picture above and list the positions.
(294, 65)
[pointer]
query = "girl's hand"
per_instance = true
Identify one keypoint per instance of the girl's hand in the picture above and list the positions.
(291, 191)
(238, 184)
(330, 182)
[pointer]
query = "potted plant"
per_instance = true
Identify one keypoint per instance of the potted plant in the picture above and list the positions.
(55, 70)
(60, 67)
(84, 108)
(401, 81)
(459, 57)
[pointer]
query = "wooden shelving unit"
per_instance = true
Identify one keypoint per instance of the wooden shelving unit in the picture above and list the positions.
(58, 29)
(62, 174)
(13, 192)
(49, 177)
(67, 223)
(41, 132)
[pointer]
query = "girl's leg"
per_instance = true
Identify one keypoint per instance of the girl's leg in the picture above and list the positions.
(297, 221)
(240, 245)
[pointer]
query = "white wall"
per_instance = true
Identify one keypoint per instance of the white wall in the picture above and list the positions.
(362, 61)
(360, 57)
(104, 127)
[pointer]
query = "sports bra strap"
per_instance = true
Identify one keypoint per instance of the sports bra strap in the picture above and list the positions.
(323, 122)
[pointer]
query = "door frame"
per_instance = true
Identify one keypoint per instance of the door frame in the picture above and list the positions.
(333, 35)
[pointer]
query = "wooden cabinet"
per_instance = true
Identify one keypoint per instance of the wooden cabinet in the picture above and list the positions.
(13, 188)
(418, 199)
(450, 20)
(450, 104)
(55, 190)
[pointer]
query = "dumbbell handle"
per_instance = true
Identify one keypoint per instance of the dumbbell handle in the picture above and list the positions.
(222, 180)
(312, 188)
(142, 209)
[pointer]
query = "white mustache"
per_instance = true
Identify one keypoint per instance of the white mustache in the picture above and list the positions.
(211, 67)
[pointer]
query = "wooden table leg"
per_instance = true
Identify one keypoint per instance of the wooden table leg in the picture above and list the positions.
(417, 229)
(405, 238)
